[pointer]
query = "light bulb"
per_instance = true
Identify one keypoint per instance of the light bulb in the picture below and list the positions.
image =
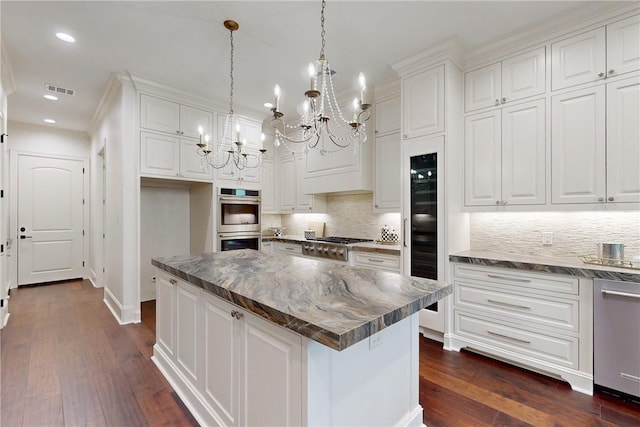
(363, 86)
(312, 74)
(356, 107)
(276, 93)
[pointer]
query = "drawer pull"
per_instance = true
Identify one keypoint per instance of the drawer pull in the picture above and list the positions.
(508, 337)
(290, 248)
(375, 260)
(620, 294)
(495, 276)
(508, 304)
(173, 281)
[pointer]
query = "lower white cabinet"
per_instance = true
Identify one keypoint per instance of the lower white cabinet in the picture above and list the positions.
(376, 261)
(537, 320)
(287, 248)
(235, 368)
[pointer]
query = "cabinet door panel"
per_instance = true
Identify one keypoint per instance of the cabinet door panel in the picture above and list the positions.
(482, 87)
(578, 59)
(269, 204)
(423, 103)
(191, 165)
(287, 184)
(272, 375)
(159, 155)
(524, 75)
(578, 146)
(221, 359)
(482, 159)
(165, 314)
(623, 141)
(523, 153)
(186, 329)
(387, 171)
(303, 202)
(159, 114)
(192, 118)
(388, 116)
(623, 46)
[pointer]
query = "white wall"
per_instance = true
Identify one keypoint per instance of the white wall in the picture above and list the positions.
(164, 230)
(48, 140)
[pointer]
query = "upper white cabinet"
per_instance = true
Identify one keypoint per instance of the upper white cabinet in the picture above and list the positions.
(515, 78)
(595, 152)
(597, 54)
(168, 156)
(269, 184)
(166, 116)
(293, 197)
(250, 134)
(387, 186)
(423, 103)
(505, 156)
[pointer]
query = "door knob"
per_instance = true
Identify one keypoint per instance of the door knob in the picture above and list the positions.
(610, 199)
(22, 229)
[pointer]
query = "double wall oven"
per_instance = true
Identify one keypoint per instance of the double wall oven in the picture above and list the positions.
(238, 223)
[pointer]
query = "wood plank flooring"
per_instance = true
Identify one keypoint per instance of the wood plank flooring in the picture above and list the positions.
(66, 362)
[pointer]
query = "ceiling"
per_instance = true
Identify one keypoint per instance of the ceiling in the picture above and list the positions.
(184, 44)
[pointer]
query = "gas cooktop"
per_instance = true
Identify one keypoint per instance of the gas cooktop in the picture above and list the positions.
(340, 240)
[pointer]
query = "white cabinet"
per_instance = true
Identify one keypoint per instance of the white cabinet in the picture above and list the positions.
(266, 246)
(423, 103)
(292, 193)
(519, 77)
(287, 248)
(236, 365)
(171, 117)
(537, 320)
(387, 185)
(505, 156)
(250, 131)
(376, 261)
(167, 156)
(269, 194)
(595, 152)
(597, 54)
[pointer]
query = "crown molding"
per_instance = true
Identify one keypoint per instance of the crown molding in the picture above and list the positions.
(587, 18)
(114, 84)
(387, 89)
(450, 49)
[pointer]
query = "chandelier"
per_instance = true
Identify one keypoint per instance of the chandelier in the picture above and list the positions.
(231, 148)
(322, 125)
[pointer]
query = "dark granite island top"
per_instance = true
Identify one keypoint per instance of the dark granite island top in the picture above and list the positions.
(333, 304)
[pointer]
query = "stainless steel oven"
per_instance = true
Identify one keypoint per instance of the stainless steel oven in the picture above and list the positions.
(238, 210)
(233, 241)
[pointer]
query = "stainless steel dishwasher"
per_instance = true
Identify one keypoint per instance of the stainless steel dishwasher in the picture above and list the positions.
(616, 335)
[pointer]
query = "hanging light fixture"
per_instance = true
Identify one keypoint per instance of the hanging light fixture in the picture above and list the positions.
(322, 124)
(231, 148)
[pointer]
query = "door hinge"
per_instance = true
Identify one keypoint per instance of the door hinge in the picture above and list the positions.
(1, 303)
(82, 170)
(1, 193)
(103, 235)
(83, 201)
(1, 249)
(83, 263)
(83, 232)
(103, 269)
(2, 137)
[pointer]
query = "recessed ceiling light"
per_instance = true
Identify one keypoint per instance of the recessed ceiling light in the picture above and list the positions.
(50, 121)
(51, 97)
(65, 37)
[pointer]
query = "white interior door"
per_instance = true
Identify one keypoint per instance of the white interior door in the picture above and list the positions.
(50, 219)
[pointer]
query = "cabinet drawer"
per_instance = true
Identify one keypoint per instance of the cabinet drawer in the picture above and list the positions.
(559, 350)
(547, 312)
(525, 281)
(377, 261)
(288, 248)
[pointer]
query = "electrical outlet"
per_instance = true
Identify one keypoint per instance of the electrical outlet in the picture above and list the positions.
(547, 238)
(375, 340)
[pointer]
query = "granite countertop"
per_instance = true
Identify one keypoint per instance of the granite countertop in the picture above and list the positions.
(333, 304)
(570, 265)
(363, 247)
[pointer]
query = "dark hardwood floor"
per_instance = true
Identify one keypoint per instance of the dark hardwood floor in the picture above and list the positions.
(66, 362)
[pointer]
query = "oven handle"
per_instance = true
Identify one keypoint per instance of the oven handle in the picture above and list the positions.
(248, 199)
(620, 294)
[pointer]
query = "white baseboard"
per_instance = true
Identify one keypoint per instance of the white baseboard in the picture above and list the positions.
(413, 418)
(123, 314)
(93, 278)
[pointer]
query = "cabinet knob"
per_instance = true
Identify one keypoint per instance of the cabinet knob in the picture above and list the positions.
(236, 314)
(173, 281)
(612, 71)
(504, 202)
(610, 199)
(503, 100)
(404, 137)
(600, 74)
(181, 133)
(376, 206)
(600, 199)
(178, 132)
(375, 131)
(497, 202)
(497, 102)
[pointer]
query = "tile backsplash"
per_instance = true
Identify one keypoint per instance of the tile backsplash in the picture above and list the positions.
(573, 233)
(350, 216)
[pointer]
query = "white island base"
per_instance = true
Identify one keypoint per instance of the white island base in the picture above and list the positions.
(231, 367)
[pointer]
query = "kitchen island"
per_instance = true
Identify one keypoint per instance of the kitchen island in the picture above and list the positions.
(248, 338)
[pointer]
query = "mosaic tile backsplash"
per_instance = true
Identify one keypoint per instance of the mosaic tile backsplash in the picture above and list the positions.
(574, 233)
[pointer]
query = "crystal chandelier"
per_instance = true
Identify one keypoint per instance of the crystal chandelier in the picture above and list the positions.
(322, 124)
(230, 149)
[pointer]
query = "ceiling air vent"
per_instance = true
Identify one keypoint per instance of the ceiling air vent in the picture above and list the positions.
(58, 89)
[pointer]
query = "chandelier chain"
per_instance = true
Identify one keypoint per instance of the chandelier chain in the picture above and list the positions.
(322, 33)
(231, 74)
